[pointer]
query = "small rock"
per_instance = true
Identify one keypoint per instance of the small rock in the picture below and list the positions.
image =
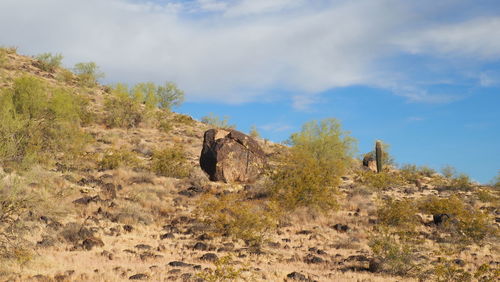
(139, 276)
(209, 257)
(179, 264)
(186, 276)
(313, 259)
(87, 200)
(341, 227)
(89, 243)
(191, 191)
(143, 247)
(459, 262)
(297, 276)
(440, 218)
(200, 246)
(304, 232)
(375, 265)
(167, 236)
(128, 228)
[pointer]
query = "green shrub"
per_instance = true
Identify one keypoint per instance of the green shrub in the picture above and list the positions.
(381, 181)
(448, 171)
(217, 122)
(114, 158)
(65, 75)
(224, 271)
(401, 214)
(88, 74)
(171, 162)
(254, 133)
(398, 256)
(232, 215)
(496, 181)
(121, 109)
(309, 175)
(36, 126)
(146, 93)
(466, 224)
(3, 57)
(48, 62)
(168, 95)
(461, 182)
(447, 270)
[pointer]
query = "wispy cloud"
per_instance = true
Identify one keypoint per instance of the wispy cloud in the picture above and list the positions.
(236, 51)
(276, 127)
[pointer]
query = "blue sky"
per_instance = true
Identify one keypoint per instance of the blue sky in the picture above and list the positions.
(420, 75)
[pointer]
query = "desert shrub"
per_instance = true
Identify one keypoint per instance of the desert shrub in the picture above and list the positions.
(487, 273)
(88, 74)
(168, 95)
(224, 271)
(380, 181)
(3, 57)
(461, 182)
(448, 171)
(426, 171)
(401, 214)
(217, 121)
(447, 270)
(466, 224)
(116, 158)
(49, 62)
(37, 126)
(65, 75)
(121, 109)
(496, 180)
(309, 174)
(182, 119)
(170, 162)
(146, 93)
(254, 133)
(233, 216)
(485, 195)
(163, 122)
(398, 256)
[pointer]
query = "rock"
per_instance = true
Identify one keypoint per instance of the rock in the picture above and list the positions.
(375, 265)
(87, 200)
(179, 264)
(128, 228)
(89, 243)
(167, 236)
(297, 276)
(186, 276)
(139, 276)
(440, 218)
(459, 262)
(304, 232)
(313, 259)
(231, 156)
(209, 257)
(200, 246)
(191, 191)
(340, 227)
(369, 162)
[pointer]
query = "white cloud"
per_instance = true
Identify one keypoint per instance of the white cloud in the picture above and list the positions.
(244, 50)
(276, 127)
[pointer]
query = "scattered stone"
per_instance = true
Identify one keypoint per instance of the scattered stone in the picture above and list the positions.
(304, 232)
(191, 191)
(89, 243)
(440, 218)
(128, 228)
(459, 262)
(200, 246)
(174, 271)
(204, 237)
(297, 276)
(87, 200)
(109, 190)
(231, 156)
(375, 265)
(186, 276)
(179, 264)
(143, 247)
(139, 276)
(209, 257)
(312, 259)
(370, 163)
(167, 236)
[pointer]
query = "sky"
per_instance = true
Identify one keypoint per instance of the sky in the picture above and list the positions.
(423, 76)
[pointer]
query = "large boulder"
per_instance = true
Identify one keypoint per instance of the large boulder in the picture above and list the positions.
(231, 156)
(370, 163)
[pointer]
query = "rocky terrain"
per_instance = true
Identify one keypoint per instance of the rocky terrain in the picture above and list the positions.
(104, 219)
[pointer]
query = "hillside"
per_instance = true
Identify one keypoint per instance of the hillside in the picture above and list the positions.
(88, 196)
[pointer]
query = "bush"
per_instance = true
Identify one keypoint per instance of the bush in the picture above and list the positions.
(401, 214)
(36, 126)
(88, 74)
(231, 215)
(448, 171)
(224, 271)
(171, 162)
(121, 109)
(3, 57)
(496, 181)
(48, 62)
(447, 270)
(309, 175)
(461, 182)
(467, 224)
(397, 255)
(254, 133)
(118, 158)
(65, 75)
(217, 122)
(169, 95)
(380, 181)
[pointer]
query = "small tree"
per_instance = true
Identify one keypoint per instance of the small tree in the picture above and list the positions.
(88, 73)
(146, 93)
(49, 62)
(309, 175)
(496, 181)
(217, 121)
(169, 95)
(254, 132)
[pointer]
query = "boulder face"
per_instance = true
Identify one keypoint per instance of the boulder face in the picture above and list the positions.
(231, 156)
(370, 163)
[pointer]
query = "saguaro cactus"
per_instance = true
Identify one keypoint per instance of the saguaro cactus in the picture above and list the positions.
(378, 155)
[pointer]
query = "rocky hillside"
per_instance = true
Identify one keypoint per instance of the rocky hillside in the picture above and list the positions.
(95, 185)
